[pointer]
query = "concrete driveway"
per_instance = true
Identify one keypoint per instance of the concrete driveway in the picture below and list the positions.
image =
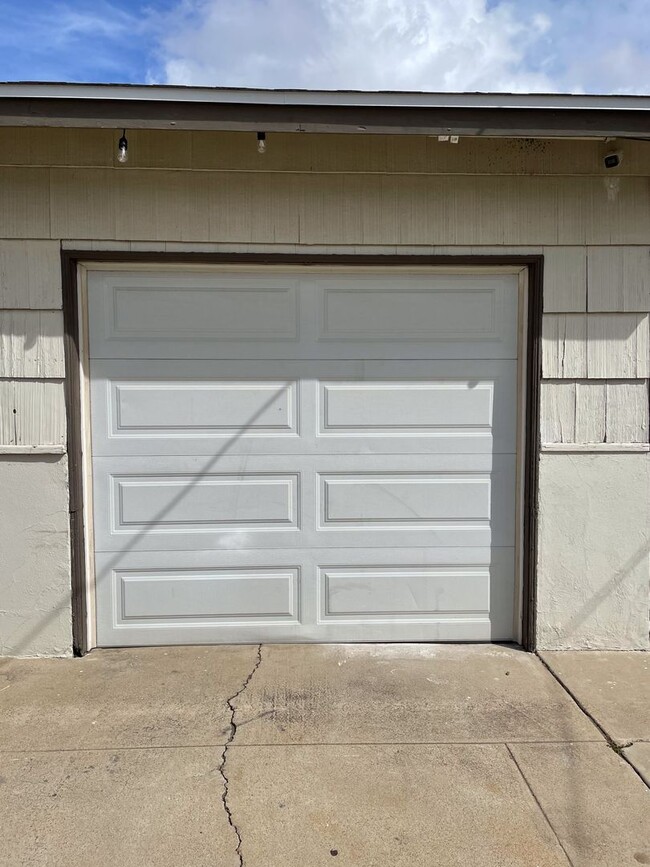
(301, 756)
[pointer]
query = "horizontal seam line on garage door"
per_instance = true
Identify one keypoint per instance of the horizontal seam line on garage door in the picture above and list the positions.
(193, 550)
(296, 359)
(217, 470)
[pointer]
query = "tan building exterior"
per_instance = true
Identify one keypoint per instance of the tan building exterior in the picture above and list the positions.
(210, 191)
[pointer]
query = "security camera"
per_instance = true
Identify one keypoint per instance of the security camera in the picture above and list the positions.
(612, 160)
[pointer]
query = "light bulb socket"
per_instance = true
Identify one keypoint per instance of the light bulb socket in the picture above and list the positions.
(123, 148)
(261, 142)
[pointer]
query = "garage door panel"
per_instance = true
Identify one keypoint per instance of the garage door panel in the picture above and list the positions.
(255, 315)
(341, 500)
(362, 594)
(149, 408)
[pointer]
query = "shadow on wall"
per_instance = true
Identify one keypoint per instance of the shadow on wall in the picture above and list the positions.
(32, 342)
(608, 590)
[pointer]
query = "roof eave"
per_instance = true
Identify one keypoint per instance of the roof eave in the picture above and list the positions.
(146, 107)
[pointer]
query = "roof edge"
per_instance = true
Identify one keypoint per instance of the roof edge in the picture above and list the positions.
(397, 113)
(262, 96)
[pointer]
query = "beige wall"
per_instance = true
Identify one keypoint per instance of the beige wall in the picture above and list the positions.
(212, 191)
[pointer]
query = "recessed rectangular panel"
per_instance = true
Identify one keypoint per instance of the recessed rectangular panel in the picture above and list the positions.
(406, 407)
(406, 591)
(159, 504)
(405, 499)
(216, 312)
(210, 594)
(159, 408)
(413, 310)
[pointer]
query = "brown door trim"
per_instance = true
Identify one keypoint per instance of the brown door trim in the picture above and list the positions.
(71, 258)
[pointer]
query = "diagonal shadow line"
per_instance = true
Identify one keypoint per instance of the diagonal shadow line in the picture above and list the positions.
(133, 542)
(610, 587)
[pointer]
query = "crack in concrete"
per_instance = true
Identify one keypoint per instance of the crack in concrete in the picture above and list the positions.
(224, 755)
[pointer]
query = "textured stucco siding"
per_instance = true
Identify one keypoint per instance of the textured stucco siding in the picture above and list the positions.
(35, 563)
(594, 542)
(184, 191)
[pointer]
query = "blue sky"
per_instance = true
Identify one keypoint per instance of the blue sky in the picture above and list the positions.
(597, 46)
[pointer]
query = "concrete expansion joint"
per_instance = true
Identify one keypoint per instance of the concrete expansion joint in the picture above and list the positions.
(618, 748)
(539, 805)
(230, 701)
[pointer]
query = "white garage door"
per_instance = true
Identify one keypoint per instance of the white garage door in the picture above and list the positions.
(303, 454)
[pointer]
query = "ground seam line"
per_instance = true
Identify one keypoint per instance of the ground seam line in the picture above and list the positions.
(611, 743)
(126, 748)
(538, 802)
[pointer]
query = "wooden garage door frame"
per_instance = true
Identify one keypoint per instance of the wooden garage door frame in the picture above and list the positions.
(71, 259)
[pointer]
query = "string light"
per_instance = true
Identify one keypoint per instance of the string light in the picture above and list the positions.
(261, 142)
(123, 148)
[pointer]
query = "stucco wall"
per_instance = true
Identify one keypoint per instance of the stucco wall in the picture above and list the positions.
(35, 572)
(186, 191)
(594, 542)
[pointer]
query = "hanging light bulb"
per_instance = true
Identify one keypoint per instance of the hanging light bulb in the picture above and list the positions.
(123, 148)
(261, 142)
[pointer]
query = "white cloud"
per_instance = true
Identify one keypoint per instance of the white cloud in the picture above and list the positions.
(366, 44)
